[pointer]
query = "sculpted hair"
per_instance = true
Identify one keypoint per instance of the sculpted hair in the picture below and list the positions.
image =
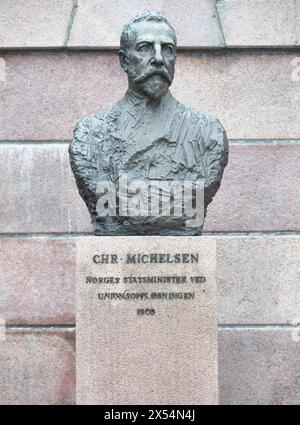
(145, 16)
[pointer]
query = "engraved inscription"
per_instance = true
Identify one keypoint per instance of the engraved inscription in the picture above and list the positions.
(150, 287)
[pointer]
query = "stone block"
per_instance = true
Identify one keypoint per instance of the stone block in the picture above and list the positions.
(98, 23)
(260, 23)
(260, 191)
(37, 367)
(39, 193)
(252, 93)
(259, 366)
(258, 279)
(37, 281)
(38, 24)
(140, 341)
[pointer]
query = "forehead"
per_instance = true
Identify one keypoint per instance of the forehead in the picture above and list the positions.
(151, 31)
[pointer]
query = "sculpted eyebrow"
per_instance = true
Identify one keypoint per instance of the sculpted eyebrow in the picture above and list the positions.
(144, 42)
(163, 42)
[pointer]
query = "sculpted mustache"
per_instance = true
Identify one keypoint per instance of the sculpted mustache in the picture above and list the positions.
(147, 75)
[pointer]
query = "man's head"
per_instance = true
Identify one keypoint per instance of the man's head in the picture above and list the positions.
(148, 53)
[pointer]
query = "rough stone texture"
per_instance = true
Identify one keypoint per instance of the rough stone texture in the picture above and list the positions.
(260, 22)
(259, 191)
(256, 366)
(116, 348)
(98, 23)
(40, 23)
(39, 193)
(45, 270)
(45, 95)
(258, 280)
(252, 93)
(259, 366)
(37, 367)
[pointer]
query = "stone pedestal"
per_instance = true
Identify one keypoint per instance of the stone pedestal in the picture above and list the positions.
(146, 320)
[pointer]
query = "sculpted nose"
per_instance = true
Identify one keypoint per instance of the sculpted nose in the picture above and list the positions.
(157, 58)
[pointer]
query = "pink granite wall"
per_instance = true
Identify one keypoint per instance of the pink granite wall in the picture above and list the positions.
(238, 60)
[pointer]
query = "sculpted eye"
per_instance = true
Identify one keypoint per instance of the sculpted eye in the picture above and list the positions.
(168, 49)
(144, 47)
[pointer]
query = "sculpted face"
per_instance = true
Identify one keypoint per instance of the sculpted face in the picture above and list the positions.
(150, 59)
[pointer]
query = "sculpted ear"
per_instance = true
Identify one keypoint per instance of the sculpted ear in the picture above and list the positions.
(123, 60)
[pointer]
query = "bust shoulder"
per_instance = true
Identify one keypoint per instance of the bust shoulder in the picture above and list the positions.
(207, 131)
(93, 128)
(212, 130)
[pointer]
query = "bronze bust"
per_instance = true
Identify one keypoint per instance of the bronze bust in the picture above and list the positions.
(147, 135)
